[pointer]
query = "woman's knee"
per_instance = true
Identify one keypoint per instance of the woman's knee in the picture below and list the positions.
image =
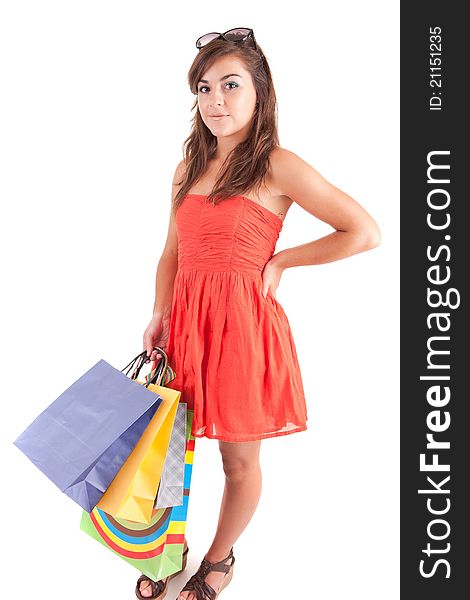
(239, 460)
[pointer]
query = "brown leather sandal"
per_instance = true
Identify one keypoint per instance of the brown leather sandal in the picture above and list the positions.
(160, 587)
(200, 587)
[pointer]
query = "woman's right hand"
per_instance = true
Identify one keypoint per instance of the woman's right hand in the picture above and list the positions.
(156, 334)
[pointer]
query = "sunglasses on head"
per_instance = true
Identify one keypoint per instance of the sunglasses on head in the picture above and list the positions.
(239, 34)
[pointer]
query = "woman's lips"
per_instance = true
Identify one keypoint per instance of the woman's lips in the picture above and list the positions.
(217, 118)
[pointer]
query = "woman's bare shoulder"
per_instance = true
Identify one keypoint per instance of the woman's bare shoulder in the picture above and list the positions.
(284, 161)
(178, 177)
(292, 175)
(285, 165)
(179, 171)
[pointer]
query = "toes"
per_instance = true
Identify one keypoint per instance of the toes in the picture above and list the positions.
(145, 589)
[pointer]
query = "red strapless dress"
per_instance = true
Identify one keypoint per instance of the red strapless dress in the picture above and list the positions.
(232, 349)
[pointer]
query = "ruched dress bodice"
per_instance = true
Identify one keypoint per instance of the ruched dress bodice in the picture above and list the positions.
(236, 236)
(231, 348)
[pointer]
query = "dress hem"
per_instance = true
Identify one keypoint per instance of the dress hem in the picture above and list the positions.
(256, 437)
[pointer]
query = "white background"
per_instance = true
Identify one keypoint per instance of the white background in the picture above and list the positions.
(95, 109)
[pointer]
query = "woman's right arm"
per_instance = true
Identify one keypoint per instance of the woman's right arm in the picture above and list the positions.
(157, 331)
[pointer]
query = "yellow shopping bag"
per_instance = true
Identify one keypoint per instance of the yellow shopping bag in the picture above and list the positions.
(131, 495)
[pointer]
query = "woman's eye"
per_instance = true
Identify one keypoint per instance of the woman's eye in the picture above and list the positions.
(203, 87)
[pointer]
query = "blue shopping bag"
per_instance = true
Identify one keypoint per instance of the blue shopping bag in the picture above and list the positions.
(84, 437)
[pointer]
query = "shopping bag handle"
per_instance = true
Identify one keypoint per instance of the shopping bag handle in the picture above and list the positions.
(159, 370)
(138, 362)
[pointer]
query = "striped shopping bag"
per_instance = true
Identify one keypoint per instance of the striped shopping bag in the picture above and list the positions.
(155, 549)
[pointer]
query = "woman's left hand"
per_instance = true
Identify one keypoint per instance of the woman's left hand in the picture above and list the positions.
(271, 276)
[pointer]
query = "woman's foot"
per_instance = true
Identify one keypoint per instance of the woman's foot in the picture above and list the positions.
(213, 578)
(145, 586)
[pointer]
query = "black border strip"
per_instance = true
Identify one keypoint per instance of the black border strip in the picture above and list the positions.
(435, 238)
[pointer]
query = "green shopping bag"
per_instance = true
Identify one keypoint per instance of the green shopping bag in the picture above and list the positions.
(155, 549)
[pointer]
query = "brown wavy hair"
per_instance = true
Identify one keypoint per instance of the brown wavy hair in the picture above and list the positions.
(247, 165)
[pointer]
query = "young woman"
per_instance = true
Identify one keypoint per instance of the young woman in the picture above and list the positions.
(216, 313)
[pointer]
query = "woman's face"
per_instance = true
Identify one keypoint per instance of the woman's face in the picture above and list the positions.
(226, 88)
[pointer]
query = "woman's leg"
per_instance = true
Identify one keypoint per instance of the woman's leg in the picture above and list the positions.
(240, 499)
